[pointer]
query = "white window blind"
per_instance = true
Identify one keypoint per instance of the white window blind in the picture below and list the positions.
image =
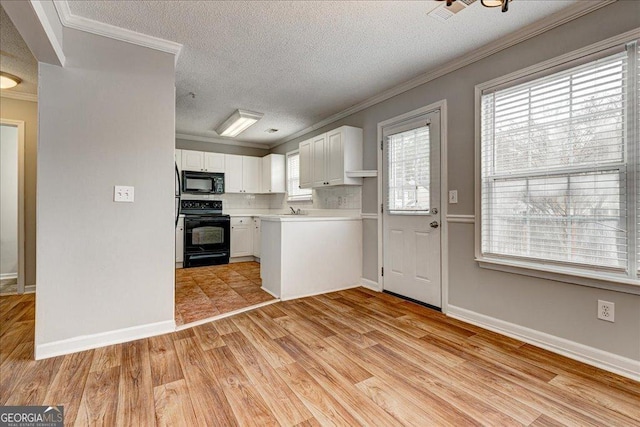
(293, 179)
(409, 171)
(555, 164)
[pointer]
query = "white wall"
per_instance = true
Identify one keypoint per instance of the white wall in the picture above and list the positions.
(563, 310)
(8, 201)
(105, 270)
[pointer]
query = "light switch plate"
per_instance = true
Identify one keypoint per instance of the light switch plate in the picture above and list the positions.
(453, 196)
(123, 193)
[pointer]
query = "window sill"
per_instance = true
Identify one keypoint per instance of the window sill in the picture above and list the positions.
(305, 199)
(607, 281)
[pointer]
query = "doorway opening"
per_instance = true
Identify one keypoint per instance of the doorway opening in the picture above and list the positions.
(12, 206)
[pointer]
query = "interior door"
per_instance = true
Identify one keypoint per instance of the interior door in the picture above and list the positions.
(411, 216)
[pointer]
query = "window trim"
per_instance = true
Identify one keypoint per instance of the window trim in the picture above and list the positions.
(293, 199)
(602, 280)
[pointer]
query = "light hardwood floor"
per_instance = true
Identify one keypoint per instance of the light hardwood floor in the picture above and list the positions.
(354, 357)
(205, 292)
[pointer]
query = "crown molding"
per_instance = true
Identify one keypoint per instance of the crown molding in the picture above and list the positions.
(579, 9)
(21, 96)
(189, 137)
(76, 22)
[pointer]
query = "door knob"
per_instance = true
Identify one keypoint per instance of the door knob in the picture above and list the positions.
(434, 224)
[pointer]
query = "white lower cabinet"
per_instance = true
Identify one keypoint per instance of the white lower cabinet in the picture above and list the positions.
(180, 242)
(241, 237)
(256, 237)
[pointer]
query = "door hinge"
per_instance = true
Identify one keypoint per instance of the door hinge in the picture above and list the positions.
(381, 208)
(381, 144)
(382, 271)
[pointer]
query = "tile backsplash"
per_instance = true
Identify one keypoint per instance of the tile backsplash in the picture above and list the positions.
(344, 197)
(237, 201)
(341, 197)
(246, 201)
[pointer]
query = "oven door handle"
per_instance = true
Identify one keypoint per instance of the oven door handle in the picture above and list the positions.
(217, 255)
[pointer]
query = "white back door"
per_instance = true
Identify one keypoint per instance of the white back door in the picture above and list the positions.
(411, 200)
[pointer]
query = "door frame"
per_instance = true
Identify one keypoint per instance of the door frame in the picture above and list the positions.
(444, 255)
(21, 253)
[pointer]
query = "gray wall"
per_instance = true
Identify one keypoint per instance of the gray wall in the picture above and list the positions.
(106, 119)
(27, 112)
(183, 144)
(560, 309)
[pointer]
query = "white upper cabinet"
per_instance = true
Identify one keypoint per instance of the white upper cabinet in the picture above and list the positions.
(318, 160)
(325, 159)
(305, 154)
(214, 162)
(251, 174)
(273, 173)
(232, 173)
(202, 162)
(242, 174)
(192, 160)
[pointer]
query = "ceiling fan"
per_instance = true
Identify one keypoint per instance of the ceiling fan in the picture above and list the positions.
(504, 4)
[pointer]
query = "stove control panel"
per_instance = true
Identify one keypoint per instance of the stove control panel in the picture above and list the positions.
(201, 206)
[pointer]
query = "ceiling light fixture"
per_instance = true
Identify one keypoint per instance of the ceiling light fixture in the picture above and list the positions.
(504, 4)
(7, 81)
(238, 122)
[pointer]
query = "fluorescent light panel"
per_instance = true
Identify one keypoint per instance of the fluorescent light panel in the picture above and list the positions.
(239, 121)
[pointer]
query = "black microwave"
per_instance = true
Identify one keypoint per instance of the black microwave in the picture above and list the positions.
(202, 182)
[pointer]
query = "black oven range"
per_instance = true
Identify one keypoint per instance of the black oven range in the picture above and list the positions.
(207, 233)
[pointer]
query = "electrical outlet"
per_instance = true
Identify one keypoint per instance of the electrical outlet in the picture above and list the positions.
(122, 193)
(606, 311)
(453, 196)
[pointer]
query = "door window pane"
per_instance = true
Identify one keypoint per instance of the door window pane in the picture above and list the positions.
(409, 174)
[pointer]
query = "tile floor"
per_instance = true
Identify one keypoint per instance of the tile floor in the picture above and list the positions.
(204, 292)
(8, 286)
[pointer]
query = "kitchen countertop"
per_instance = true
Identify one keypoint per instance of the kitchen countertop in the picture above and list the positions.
(307, 218)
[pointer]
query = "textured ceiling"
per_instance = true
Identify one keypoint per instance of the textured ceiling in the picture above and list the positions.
(16, 58)
(299, 62)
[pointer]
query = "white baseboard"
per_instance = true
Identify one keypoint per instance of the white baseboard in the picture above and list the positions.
(30, 289)
(249, 258)
(370, 284)
(592, 356)
(269, 292)
(87, 342)
(5, 276)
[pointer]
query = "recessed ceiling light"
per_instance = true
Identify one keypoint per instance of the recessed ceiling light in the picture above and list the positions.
(7, 81)
(238, 122)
